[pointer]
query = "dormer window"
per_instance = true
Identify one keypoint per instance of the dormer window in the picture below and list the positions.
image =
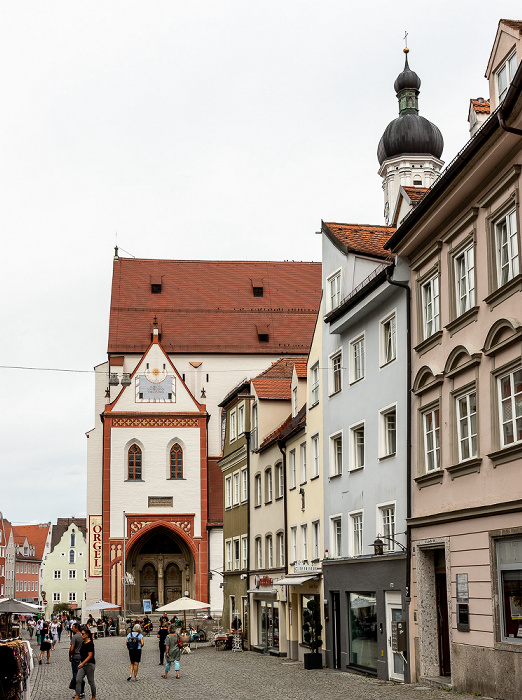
(155, 288)
(262, 332)
(505, 75)
(257, 287)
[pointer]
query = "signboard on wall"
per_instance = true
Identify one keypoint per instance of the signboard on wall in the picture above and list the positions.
(95, 545)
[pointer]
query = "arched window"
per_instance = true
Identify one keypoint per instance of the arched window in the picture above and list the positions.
(73, 539)
(134, 462)
(176, 462)
(71, 556)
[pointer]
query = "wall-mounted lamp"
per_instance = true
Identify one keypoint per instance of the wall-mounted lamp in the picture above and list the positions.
(378, 546)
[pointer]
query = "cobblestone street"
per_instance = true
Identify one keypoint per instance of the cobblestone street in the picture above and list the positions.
(207, 673)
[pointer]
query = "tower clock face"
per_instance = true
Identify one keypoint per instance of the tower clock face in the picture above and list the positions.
(155, 386)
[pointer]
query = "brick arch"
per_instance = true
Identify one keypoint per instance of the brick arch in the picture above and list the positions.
(134, 539)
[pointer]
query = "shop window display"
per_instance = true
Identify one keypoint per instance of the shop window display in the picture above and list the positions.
(509, 556)
(363, 630)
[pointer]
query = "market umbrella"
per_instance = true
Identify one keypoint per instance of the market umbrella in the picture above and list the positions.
(102, 605)
(182, 605)
(10, 605)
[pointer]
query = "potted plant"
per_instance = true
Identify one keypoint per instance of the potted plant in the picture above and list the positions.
(312, 628)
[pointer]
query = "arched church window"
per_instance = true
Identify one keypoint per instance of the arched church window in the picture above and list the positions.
(176, 462)
(134, 462)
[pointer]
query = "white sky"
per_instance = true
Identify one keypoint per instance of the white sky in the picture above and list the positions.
(198, 129)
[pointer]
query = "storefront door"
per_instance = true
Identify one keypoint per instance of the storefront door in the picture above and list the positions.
(393, 614)
(268, 624)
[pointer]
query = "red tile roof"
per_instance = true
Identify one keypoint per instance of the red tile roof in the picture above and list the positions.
(272, 388)
(209, 306)
(283, 368)
(415, 193)
(36, 535)
(513, 23)
(368, 240)
(480, 106)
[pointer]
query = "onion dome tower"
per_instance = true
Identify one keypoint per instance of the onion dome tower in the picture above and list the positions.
(410, 148)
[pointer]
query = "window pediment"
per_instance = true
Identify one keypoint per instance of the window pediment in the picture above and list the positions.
(501, 334)
(427, 377)
(462, 357)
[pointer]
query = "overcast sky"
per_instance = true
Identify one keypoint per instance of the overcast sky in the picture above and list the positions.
(192, 130)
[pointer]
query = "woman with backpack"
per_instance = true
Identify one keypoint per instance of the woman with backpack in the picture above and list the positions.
(45, 644)
(134, 645)
(173, 647)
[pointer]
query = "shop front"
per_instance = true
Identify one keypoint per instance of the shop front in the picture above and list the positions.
(267, 618)
(299, 591)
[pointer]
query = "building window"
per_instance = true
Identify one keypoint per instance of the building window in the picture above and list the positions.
(244, 485)
(316, 540)
(233, 426)
(336, 527)
(357, 447)
(507, 248)
(269, 552)
(510, 390)
(57, 597)
(294, 402)
(281, 548)
(356, 523)
(388, 339)
(302, 452)
(257, 488)
(72, 573)
(228, 555)
(280, 484)
(505, 75)
(236, 488)
(336, 376)
(388, 432)
(72, 597)
(244, 548)
(253, 433)
(241, 419)
(73, 539)
(387, 526)
(357, 359)
(314, 384)
(259, 553)
(509, 563)
(293, 544)
(304, 542)
(268, 486)
(467, 426)
(334, 288)
(134, 462)
(228, 492)
(176, 462)
(72, 556)
(465, 280)
(431, 439)
(315, 456)
(237, 554)
(336, 455)
(430, 307)
(292, 469)
(362, 630)
(57, 574)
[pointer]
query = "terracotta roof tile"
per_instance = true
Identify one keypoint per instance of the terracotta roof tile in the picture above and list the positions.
(283, 368)
(209, 306)
(36, 535)
(415, 193)
(363, 239)
(272, 388)
(480, 106)
(513, 23)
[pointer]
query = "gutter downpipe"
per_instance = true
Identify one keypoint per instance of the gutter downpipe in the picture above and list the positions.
(407, 600)
(282, 449)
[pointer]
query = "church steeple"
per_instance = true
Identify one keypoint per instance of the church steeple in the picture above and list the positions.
(407, 87)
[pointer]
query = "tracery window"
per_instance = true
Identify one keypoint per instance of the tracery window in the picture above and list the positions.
(176, 462)
(134, 462)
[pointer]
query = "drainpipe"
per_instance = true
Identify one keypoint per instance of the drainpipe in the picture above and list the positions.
(406, 287)
(247, 438)
(282, 449)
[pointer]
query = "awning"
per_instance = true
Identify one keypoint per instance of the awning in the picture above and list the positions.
(294, 580)
(263, 591)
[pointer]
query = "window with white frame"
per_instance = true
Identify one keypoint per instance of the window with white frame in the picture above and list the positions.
(505, 75)
(388, 339)
(357, 446)
(228, 555)
(72, 596)
(510, 397)
(258, 489)
(280, 484)
(302, 453)
(304, 542)
(294, 402)
(237, 553)
(244, 552)
(465, 280)
(268, 486)
(356, 532)
(431, 423)
(233, 425)
(244, 485)
(507, 248)
(314, 384)
(467, 425)
(57, 574)
(334, 290)
(336, 454)
(336, 536)
(386, 516)
(241, 419)
(336, 372)
(357, 359)
(292, 475)
(293, 543)
(430, 306)
(388, 431)
(236, 488)
(259, 553)
(509, 566)
(17, 584)
(316, 540)
(269, 552)
(72, 573)
(315, 457)
(281, 548)
(228, 492)
(57, 597)
(253, 432)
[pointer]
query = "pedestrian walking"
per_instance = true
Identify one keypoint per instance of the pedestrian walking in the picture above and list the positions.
(59, 629)
(75, 658)
(173, 646)
(53, 630)
(45, 644)
(162, 635)
(86, 665)
(134, 645)
(31, 625)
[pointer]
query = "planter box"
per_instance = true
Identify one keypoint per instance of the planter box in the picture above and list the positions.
(313, 661)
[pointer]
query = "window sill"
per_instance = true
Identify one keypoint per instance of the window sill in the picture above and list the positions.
(267, 503)
(313, 405)
(462, 321)
(258, 505)
(355, 469)
(313, 478)
(502, 293)
(429, 343)
(303, 483)
(468, 466)
(334, 476)
(385, 457)
(506, 454)
(434, 477)
(292, 488)
(334, 393)
(175, 478)
(279, 498)
(356, 381)
(389, 362)
(131, 481)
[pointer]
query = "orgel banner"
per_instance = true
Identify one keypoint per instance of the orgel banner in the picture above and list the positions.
(95, 545)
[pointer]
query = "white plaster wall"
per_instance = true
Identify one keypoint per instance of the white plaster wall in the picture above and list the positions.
(59, 559)
(132, 496)
(215, 548)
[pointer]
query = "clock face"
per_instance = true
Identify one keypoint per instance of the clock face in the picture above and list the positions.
(157, 389)
(155, 375)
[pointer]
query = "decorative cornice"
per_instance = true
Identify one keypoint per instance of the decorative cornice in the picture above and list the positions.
(153, 422)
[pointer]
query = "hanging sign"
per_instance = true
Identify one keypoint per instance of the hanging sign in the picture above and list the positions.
(95, 545)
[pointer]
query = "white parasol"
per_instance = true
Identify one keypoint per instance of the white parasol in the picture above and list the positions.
(102, 605)
(182, 605)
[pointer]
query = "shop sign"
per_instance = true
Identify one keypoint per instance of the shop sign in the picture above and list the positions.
(303, 567)
(95, 545)
(265, 581)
